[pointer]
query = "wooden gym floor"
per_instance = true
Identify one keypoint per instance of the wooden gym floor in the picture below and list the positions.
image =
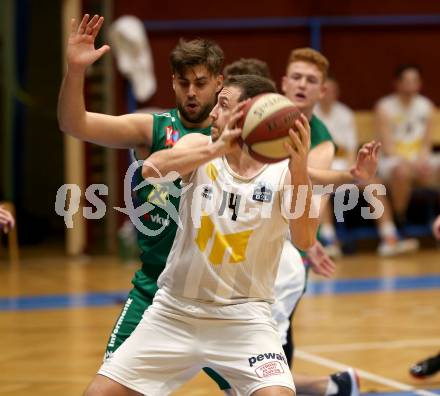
(377, 315)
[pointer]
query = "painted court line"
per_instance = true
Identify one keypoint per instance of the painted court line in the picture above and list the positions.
(362, 373)
(362, 346)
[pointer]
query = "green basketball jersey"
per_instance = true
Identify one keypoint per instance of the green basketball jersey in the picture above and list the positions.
(318, 132)
(155, 247)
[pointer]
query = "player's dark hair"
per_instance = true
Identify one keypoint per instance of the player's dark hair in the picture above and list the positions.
(251, 85)
(247, 66)
(398, 72)
(196, 52)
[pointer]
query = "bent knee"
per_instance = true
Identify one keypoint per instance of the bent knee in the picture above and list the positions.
(274, 391)
(402, 172)
(103, 386)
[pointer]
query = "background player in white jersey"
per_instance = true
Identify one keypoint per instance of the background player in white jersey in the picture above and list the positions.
(404, 124)
(340, 121)
(212, 307)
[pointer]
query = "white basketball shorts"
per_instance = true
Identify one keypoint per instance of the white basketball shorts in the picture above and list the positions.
(289, 287)
(176, 338)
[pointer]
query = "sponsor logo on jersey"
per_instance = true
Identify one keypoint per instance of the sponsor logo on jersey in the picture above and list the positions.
(207, 192)
(171, 136)
(269, 369)
(157, 219)
(267, 356)
(263, 193)
(159, 195)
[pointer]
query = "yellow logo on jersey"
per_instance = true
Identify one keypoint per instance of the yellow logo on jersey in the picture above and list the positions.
(236, 244)
(159, 195)
(211, 171)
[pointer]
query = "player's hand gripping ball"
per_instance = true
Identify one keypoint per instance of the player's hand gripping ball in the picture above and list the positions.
(265, 126)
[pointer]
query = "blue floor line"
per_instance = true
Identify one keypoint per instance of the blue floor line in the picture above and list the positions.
(341, 286)
(344, 286)
(62, 301)
(406, 393)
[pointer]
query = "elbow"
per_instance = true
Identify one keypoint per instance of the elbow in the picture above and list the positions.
(152, 167)
(306, 238)
(306, 242)
(148, 170)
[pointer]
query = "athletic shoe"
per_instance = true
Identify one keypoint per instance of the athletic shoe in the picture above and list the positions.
(387, 248)
(347, 381)
(426, 367)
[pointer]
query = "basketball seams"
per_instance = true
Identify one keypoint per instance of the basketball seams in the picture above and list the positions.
(262, 131)
(264, 106)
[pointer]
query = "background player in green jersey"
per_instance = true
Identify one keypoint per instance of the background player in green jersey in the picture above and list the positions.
(196, 77)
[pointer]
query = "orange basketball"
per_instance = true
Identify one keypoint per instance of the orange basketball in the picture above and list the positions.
(265, 125)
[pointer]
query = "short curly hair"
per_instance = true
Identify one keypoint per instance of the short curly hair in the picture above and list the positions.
(196, 52)
(309, 55)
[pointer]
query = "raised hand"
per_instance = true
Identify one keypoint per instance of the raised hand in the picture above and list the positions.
(299, 145)
(81, 50)
(366, 162)
(228, 136)
(320, 262)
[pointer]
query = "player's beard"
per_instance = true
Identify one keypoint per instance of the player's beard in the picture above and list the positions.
(198, 117)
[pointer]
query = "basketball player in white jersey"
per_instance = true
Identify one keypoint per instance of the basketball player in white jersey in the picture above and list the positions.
(340, 121)
(404, 123)
(213, 305)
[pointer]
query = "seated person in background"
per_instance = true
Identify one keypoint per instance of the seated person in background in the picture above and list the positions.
(404, 121)
(431, 365)
(7, 222)
(339, 119)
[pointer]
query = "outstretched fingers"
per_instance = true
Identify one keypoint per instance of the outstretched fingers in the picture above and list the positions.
(97, 26)
(303, 127)
(83, 25)
(73, 26)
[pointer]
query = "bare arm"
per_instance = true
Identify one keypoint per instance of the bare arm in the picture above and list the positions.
(427, 138)
(190, 152)
(127, 131)
(363, 170)
(322, 155)
(303, 229)
(194, 150)
(382, 124)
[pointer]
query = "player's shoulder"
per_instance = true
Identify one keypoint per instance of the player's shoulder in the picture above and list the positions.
(316, 124)
(386, 101)
(424, 102)
(166, 115)
(343, 109)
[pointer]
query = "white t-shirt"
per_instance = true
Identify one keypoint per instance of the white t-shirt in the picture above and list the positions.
(341, 125)
(408, 123)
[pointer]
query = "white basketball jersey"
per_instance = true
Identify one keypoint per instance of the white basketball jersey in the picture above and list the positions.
(233, 232)
(341, 125)
(408, 123)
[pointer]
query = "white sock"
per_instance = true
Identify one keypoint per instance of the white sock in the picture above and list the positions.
(387, 230)
(332, 387)
(328, 232)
